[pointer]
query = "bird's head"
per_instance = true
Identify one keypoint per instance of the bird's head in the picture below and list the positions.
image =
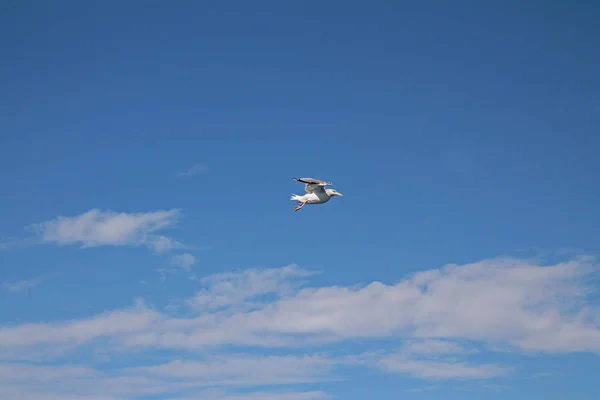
(333, 192)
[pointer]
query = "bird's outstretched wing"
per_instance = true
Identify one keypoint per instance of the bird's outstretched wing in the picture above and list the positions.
(313, 181)
(313, 185)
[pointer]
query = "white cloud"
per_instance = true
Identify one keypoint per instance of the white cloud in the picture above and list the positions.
(161, 243)
(440, 317)
(421, 389)
(243, 370)
(22, 285)
(435, 369)
(185, 261)
(234, 288)
(496, 302)
(26, 381)
(108, 228)
(512, 301)
(190, 379)
(434, 359)
(17, 373)
(114, 323)
(195, 169)
(432, 346)
(221, 395)
(24, 393)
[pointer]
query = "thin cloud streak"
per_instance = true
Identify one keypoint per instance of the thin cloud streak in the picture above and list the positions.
(195, 169)
(22, 285)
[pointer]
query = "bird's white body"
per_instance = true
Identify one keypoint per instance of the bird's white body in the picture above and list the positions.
(313, 198)
(315, 193)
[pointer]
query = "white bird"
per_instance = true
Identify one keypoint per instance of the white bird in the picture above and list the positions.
(315, 192)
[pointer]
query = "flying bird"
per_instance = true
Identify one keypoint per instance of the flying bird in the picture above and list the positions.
(315, 192)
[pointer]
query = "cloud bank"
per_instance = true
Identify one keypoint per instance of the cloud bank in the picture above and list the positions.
(268, 328)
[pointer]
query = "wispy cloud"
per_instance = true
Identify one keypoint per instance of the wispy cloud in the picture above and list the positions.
(161, 243)
(243, 370)
(108, 228)
(236, 288)
(436, 360)
(441, 317)
(22, 285)
(177, 262)
(189, 379)
(185, 261)
(421, 389)
(195, 169)
(430, 359)
(222, 395)
(115, 323)
(431, 369)
(433, 346)
(546, 374)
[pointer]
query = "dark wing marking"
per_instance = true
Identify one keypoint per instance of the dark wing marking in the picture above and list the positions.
(313, 181)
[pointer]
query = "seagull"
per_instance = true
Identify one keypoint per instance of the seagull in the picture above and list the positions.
(315, 192)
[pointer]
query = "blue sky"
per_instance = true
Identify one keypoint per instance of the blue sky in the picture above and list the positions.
(149, 249)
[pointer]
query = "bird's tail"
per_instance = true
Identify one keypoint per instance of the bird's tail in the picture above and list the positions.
(295, 197)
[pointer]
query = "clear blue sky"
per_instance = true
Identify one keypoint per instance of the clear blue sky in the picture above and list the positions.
(145, 146)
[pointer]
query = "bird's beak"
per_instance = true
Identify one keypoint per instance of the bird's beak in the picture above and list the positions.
(339, 194)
